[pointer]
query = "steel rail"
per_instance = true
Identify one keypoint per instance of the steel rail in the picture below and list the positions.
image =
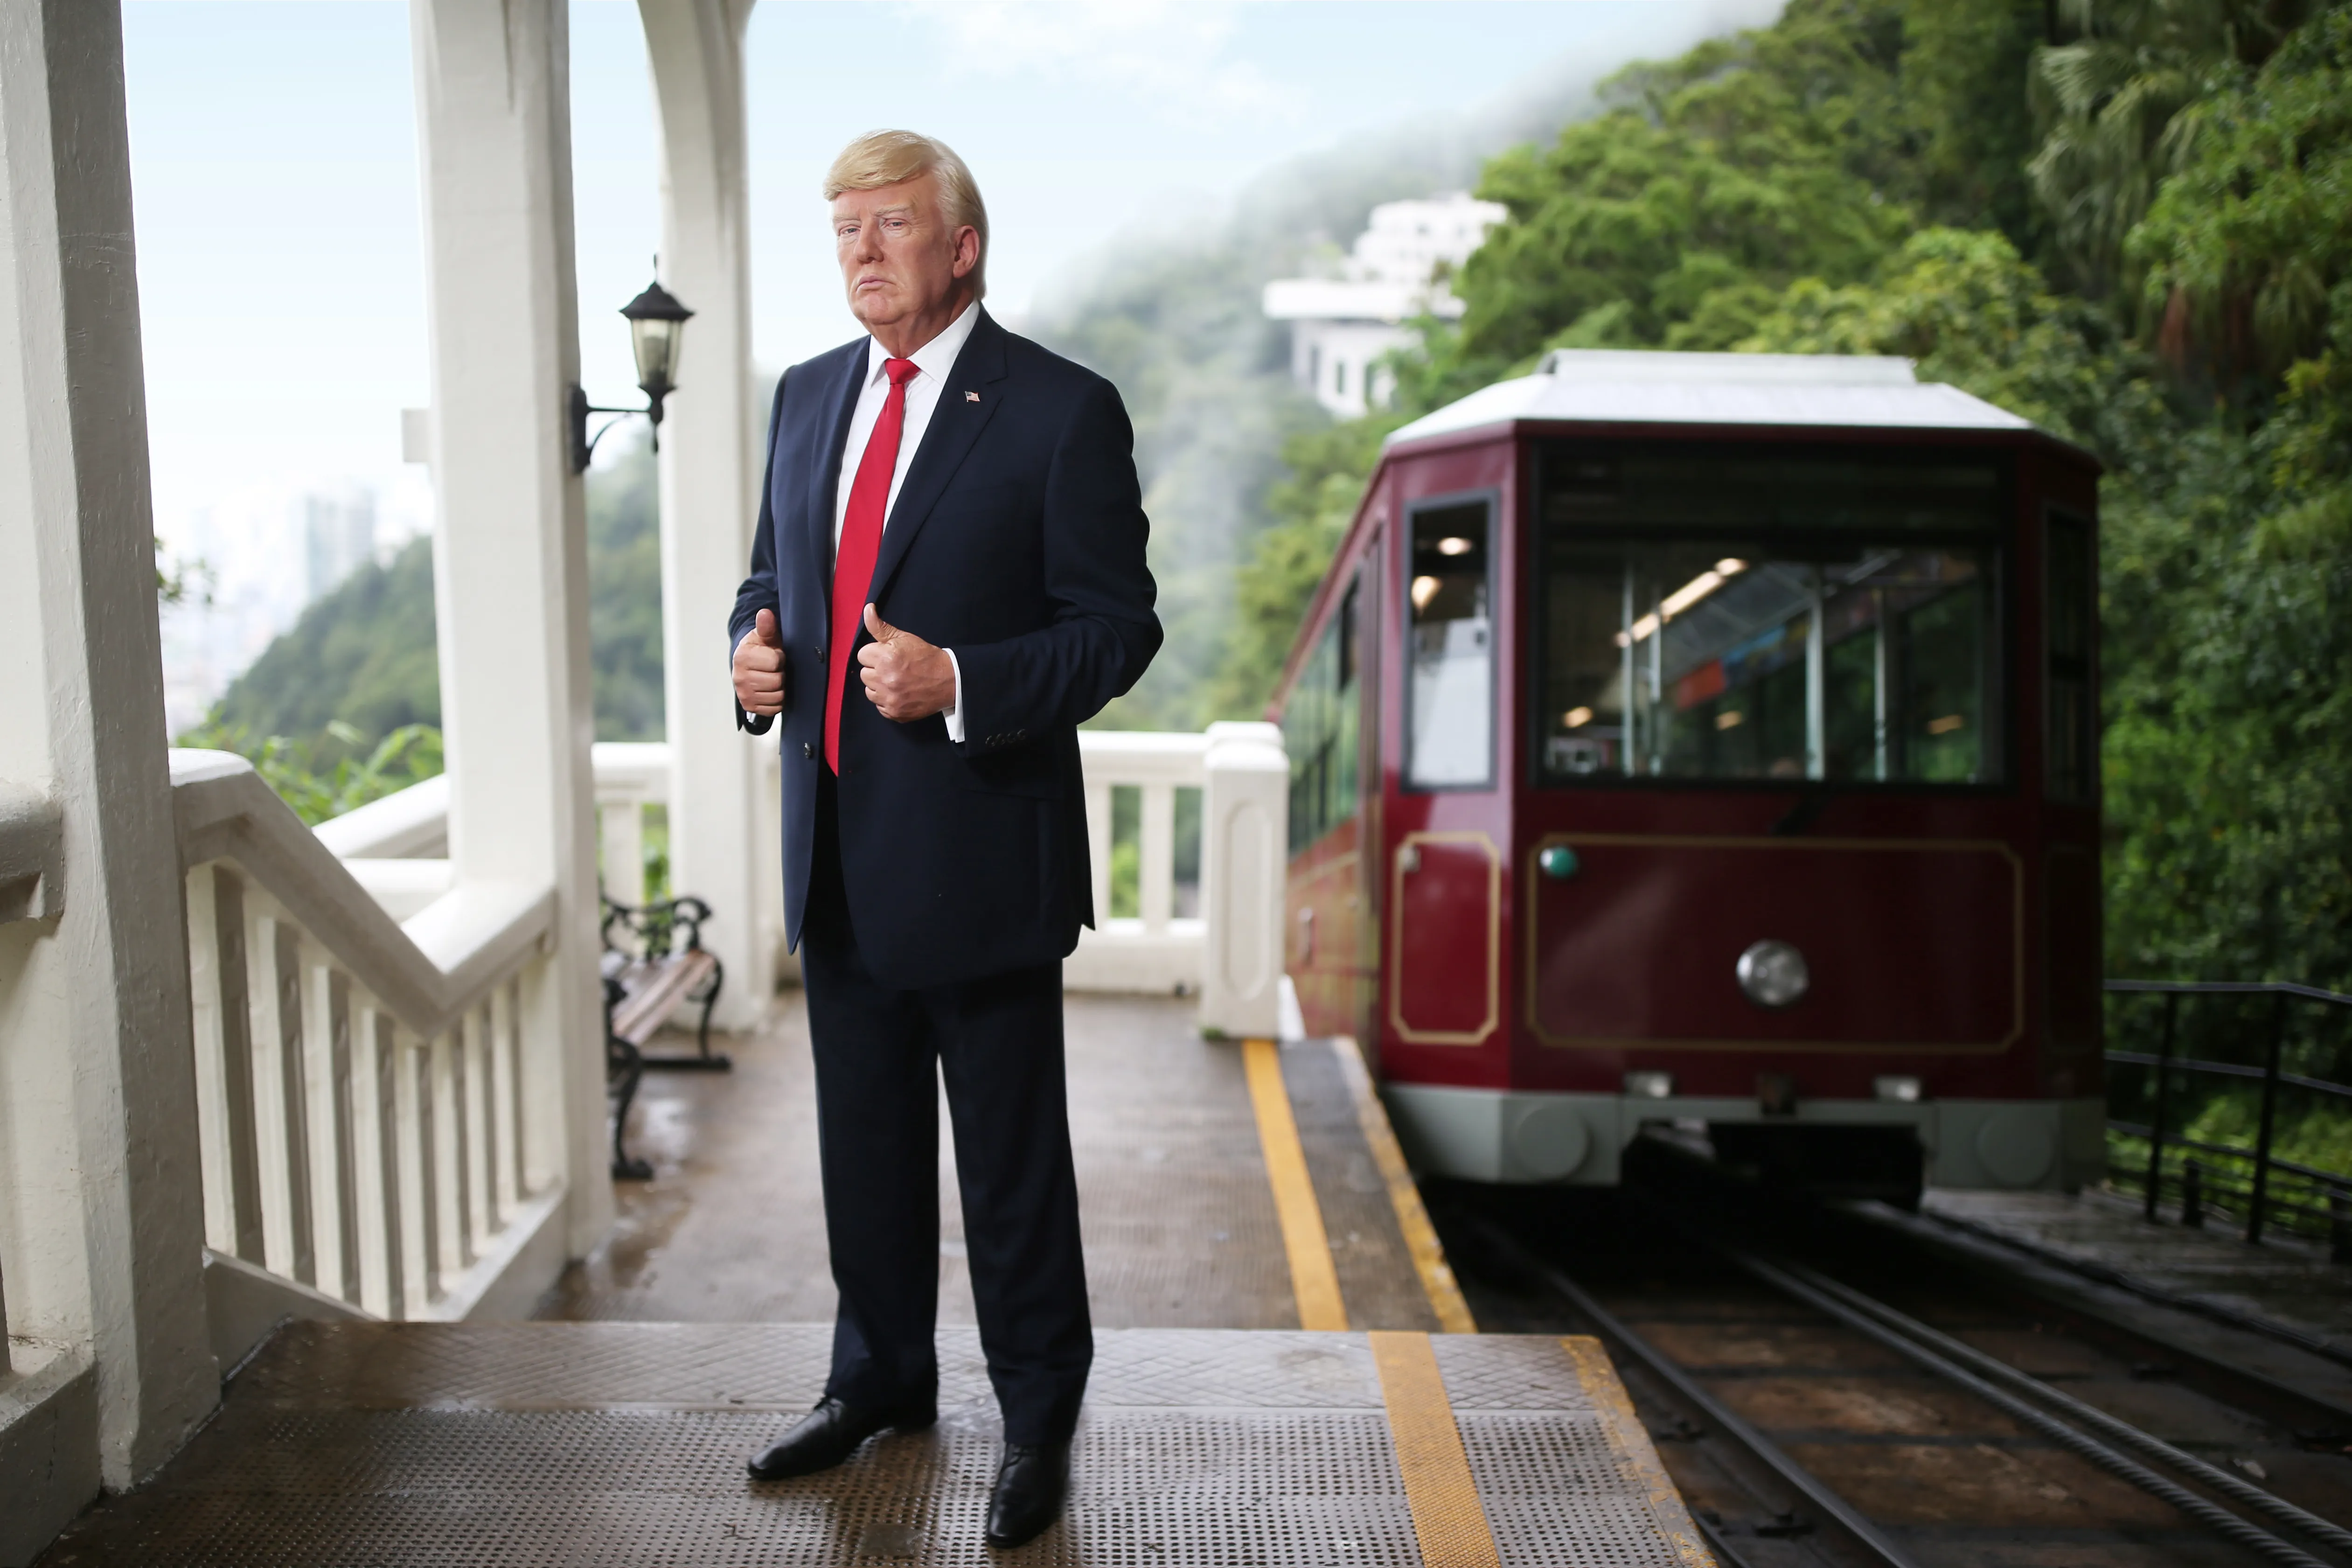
(1807, 1485)
(2120, 1465)
(2124, 1432)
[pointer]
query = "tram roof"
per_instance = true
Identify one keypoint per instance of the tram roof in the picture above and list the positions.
(1640, 387)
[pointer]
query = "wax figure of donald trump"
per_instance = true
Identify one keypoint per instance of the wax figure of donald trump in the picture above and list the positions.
(948, 579)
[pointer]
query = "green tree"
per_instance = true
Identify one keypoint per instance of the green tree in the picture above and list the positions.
(1806, 149)
(410, 754)
(1672, 223)
(1311, 510)
(2246, 259)
(2229, 743)
(1970, 311)
(625, 605)
(2125, 104)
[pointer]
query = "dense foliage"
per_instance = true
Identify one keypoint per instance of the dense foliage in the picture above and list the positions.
(344, 707)
(2136, 232)
(318, 790)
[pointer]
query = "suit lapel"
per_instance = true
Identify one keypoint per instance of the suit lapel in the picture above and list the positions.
(825, 470)
(955, 424)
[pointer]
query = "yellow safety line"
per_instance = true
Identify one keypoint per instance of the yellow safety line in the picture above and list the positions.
(1447, 1518)
(1313, 1279)
(1420, 1237)
(1632, 1445)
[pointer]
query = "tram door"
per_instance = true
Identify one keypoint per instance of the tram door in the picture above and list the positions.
(1445, 869)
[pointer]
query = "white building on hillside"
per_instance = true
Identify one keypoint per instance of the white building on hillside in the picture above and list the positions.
(1341, 326)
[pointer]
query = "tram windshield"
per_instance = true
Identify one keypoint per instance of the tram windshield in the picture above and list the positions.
(1763, 618)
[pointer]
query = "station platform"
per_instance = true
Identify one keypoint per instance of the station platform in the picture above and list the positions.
(623, 1443)
(1182, 1216)
(1285, 1372)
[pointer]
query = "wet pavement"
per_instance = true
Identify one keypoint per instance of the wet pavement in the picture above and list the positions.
(1179, 1222)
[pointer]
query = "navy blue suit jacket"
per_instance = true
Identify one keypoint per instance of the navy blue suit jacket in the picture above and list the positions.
(1017, 541)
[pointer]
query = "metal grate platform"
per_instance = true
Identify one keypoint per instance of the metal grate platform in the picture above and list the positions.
(623, 1444)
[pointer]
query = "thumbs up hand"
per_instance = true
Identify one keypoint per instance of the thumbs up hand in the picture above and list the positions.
(759, 667)
(906, 678)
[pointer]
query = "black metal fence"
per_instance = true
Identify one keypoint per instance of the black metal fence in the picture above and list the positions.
(2252, 1184)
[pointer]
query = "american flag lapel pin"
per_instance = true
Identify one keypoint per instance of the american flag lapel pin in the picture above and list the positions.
(971, 397)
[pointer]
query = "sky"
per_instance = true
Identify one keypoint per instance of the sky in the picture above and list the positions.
(274, 168)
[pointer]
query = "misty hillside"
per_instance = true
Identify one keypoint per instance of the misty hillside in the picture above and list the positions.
(1171, 315)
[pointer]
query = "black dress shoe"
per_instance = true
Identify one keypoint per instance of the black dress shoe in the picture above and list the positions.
(830, 1434)
(1031, 1484)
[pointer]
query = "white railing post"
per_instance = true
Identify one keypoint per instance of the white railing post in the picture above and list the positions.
(1244, 819)
(1099, 847)
(1157, 953)
(621, 828)
(376, 1155)
(1157, 847)
(231, 1157)
(333, 988)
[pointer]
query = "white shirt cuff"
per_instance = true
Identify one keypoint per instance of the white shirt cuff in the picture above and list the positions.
(954, 714)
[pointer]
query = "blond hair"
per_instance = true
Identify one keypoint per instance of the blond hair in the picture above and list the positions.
(882, 158)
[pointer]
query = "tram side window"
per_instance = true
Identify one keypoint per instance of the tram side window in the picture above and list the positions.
(1319, 732)
(2072, 587)
(1449, 701)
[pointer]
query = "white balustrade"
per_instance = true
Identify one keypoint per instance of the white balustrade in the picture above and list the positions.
(630, 776)
(367, 1104)
(1155, 949)
(1214, 934)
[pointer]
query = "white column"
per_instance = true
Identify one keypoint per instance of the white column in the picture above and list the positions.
(711, 460)
(511, 562)
(1244, 825)
(102, 1221)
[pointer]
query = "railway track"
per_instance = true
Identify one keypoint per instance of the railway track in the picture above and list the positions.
(1823, 1397)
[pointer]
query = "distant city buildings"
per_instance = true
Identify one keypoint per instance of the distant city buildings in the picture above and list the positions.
(266, 553)
(1340, 327)
(338, 536)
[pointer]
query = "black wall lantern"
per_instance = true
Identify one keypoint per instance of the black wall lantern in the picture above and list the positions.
(656, 321)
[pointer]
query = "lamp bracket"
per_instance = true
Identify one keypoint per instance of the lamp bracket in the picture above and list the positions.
(583, 444)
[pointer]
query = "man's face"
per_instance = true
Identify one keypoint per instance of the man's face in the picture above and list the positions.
(900, 259)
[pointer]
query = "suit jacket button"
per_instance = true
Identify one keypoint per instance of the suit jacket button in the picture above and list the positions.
(808, 748)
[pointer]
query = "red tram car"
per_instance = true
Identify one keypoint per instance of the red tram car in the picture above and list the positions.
(1710, 739)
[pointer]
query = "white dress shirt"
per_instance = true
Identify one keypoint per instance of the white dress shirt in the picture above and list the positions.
(932, 362)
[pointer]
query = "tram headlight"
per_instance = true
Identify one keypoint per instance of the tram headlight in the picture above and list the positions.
(1649, 1086)
(1900, 1087)
(1773, 973)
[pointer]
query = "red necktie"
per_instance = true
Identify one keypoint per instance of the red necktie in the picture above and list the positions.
(861, 541)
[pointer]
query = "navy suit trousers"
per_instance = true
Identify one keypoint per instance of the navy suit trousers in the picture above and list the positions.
(997, 1042)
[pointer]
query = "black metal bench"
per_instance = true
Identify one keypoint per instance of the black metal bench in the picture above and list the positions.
(644, 983)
